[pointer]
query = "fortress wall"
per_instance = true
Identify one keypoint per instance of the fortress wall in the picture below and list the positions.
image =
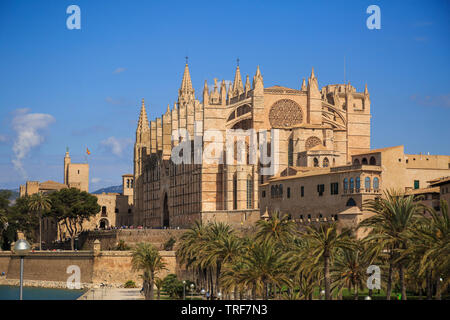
(48, 269)
(109, 238)
(52, 266)
(115, 267)
(4, 261)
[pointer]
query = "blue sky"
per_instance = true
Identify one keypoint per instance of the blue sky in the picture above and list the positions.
(80, 88)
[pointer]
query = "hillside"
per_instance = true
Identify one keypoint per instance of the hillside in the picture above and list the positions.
(112, 189)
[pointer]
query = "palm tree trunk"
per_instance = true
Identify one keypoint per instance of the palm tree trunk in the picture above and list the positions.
(389, 282)
(326, 273)
(151, 290)
(438, 288)
(235, 292)
(40, 233)
(265, 290)
(254, 291)
(356, 291)
(429, 289)
(401, 273)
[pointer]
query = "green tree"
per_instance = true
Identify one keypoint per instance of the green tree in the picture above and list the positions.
(279, 229)
(71, 207)
(172, 286)
(324, 241)
(39, 203)
(394, 219)
(146, 257)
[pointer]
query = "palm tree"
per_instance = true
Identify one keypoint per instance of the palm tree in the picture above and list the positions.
(395, 217)
(324, 241)
(147, 258)
(40, 203)
(263, 264)
(350, 266)
(158, 284)
(431, 243)
(279, 229)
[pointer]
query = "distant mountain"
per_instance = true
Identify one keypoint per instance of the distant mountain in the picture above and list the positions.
(14, 193)
(112, 189)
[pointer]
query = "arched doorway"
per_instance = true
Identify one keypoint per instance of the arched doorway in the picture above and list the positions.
(166, 221)
(104, 223)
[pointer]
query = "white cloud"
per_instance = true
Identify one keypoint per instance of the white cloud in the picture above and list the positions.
(432, 100)
(96, 180)
(116, 145)
(27, 127)
(119, 70)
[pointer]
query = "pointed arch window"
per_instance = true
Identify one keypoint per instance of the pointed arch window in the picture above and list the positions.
(376, 183)
(249, 192)
(367, 183)
(352, 184)
(345, 184)
(316, 162)
(326, 163)
(291, 152)
(358, 183)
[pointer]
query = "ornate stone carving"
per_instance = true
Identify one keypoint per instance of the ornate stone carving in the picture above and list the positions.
(285, 113)
(312, 142)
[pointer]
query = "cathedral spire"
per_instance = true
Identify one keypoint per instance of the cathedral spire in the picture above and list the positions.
(238, 87)
(205, 93)
(186, 91)
(143, 121)
(247, 84)
(366, 92)
(304, 85)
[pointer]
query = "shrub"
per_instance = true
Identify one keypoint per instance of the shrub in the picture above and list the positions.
(130, 284)
(122, 246)
(168, 245)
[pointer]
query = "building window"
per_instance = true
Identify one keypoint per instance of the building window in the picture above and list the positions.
(356, 162)
(131, 183)
(352, 184)
(334, 187)
(358, 184)
(249, 192)
(116, 210)
(416, 184)
(103, 211)
(302, 191)
(376, 183)
(264, 194)
(316, 162)
(345, 184)
(288, 192)
(320, 189)
(367, 183)
(351, 203)
(325, 163)
(280, 191)
(291, 152)
(364, 161)
(372, 161)
(272, 191)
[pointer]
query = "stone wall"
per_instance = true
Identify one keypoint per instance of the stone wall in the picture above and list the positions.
(110, 238)
(49, 269)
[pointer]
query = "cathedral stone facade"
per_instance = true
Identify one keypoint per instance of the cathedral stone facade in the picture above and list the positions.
(315, 128)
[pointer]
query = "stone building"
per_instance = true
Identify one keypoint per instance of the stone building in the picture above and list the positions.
(315, 128)
(116, 208)
(321, 194)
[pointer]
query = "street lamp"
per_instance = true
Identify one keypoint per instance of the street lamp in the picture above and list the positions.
(203, 293)
(21, 248)
(184, 289)
(219, 295)
(322, 293)
(192, 289)
(368, 298)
